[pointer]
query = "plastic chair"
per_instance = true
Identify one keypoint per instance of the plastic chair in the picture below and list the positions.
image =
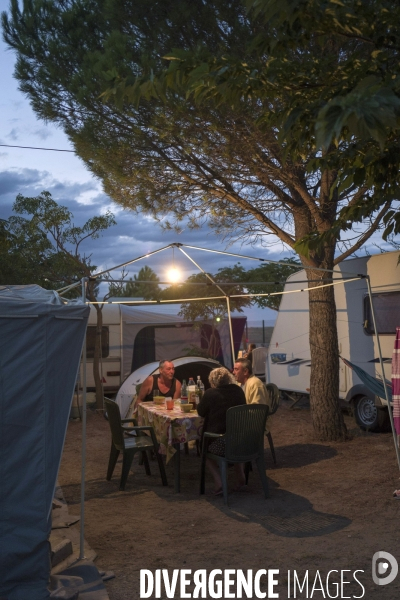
(129, 446)
(274, 396)
(244, 442)
(274, 399)
(259, 357)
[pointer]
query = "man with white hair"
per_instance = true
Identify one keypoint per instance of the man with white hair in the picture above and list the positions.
(254, 389)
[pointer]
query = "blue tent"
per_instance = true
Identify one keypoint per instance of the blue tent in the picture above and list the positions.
(40, 347)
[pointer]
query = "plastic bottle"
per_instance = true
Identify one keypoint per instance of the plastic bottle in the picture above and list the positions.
(184, 393)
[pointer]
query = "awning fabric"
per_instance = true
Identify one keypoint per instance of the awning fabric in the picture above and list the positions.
(40, 347)
(373, 384)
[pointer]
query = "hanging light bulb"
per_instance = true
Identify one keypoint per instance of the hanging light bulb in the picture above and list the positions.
(173, 274)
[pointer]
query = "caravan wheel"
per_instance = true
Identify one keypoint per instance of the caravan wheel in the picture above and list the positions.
(368, 416)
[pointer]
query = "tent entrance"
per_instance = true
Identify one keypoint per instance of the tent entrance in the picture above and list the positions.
(171, 340)
(146, 340)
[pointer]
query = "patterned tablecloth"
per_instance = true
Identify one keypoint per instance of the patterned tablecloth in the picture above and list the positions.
(171, 426)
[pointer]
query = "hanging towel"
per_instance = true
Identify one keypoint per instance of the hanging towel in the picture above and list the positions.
(372, 383)
(396, 381)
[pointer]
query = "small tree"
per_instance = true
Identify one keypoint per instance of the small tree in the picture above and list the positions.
(141, 286)
(275, 275)
(230, 281)
(48, 247)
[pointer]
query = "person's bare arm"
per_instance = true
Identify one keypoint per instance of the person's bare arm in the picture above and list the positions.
(145, 389)
(177, 390)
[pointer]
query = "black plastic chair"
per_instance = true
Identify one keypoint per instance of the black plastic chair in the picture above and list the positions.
(129, 446)
(244, 442)
(274, 399)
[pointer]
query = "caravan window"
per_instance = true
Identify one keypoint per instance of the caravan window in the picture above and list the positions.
(90, 340)
(387, 313)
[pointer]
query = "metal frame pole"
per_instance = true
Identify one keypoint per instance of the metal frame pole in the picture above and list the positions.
(228, 304)
(203, 271)
(83, 416)
(383, 371)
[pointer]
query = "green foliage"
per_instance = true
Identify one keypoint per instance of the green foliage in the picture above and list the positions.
(20, 258)
(45, 247)
(134, 288)
(209, 309)
(367, 112)
(332, 68)
(232, 281)
(276, 274)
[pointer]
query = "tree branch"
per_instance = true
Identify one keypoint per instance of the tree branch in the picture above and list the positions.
(365, 236)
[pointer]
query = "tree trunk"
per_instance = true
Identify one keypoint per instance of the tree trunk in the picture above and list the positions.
(326, 414)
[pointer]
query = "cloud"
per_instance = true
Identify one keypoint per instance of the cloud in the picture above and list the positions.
(134, 235)
(71, 191)
(13, 180)
(31, 182)
(43, 133)
(13, 134)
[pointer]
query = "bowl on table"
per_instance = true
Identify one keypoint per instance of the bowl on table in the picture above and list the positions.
(159, 400)
(186, 407)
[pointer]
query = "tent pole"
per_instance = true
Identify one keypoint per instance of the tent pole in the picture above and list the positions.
(83, 468)
(276, 262)
(228, 304)
(383, 371)
(130, 262)
(202, 270)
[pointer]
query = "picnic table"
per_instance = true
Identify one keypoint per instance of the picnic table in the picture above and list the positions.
(172, 428)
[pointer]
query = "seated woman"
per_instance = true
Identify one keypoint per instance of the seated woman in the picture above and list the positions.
(223, 394)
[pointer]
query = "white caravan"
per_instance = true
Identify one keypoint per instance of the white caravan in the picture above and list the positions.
(288, 361)
(133, 336)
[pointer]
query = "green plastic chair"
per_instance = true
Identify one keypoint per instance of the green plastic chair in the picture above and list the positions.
(274, 399)
(129, 446)
(244, 442)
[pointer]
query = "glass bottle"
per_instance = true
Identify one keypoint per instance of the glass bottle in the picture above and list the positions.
(200, 385)
(184, 393)
(191, 388)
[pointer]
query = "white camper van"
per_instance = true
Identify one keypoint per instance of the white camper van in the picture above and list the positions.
(288, 361)
(133, 336)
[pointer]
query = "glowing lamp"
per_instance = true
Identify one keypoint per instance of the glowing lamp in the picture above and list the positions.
(174, 275)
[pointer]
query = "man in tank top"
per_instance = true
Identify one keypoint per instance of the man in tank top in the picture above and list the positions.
(164, 382)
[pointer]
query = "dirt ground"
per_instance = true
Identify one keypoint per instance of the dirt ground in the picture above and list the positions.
(330, 508)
